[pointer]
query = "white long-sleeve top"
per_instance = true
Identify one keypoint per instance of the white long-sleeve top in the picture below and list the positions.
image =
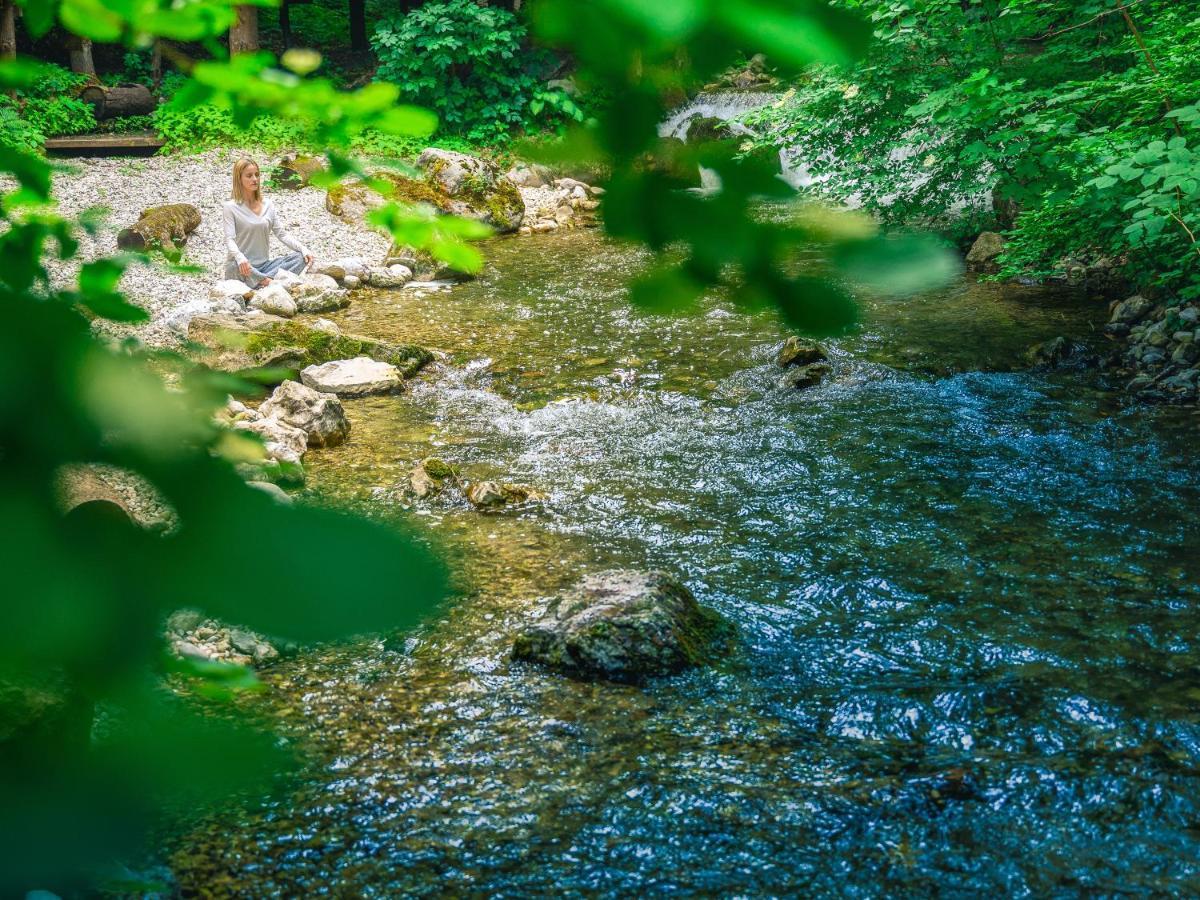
(247, 234)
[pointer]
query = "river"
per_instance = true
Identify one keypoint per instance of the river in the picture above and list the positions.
(967, 598)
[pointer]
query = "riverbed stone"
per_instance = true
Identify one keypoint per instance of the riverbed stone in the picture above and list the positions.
(320, 416)
(317, 293)
(984, 252)
(233, 342)
(274, 300)
(798, 352)
(625, 626)
(231, 289)
(1131, 310)
(392, 276)
(430, 476)
(496, 494)
(282, 441)
(358, 377)
(801, 377)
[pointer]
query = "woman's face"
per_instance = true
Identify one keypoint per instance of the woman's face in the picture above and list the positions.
(250, 180)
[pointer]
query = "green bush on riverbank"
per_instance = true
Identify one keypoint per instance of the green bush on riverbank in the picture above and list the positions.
(1074, 126)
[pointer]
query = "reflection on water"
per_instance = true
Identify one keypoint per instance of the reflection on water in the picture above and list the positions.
(967, 598)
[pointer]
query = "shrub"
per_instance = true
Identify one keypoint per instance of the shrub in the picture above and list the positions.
(44, 109)
(461, 60)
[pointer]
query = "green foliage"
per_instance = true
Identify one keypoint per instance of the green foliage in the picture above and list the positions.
(639, 56)
(137, 68)
(1043, 106)
(462, 60)
(44, 108)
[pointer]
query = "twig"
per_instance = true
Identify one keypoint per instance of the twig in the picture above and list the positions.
(1085, 24)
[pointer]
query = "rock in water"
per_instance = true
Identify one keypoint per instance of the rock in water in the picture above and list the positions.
(801, 377)
(1060, 353)
(983, 253)
(356, 377)
(320, 416)
(796, 352)
(492, 495)
(429, 477)
(624, 626)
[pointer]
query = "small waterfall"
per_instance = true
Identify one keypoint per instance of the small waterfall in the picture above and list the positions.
(729, 106)
(726, 105)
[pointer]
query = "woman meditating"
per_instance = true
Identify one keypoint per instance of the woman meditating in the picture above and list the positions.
(249, 219)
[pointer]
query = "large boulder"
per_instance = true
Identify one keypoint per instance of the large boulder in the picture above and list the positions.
(476, 188)
(320, 416)
(235, 342)
(1131, 310)
(624, 626)
(984, 253)
(356, 377)
(163, 228)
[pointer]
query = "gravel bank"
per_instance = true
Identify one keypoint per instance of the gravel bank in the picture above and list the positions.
(126, 186)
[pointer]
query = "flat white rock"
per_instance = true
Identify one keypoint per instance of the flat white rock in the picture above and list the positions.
(356, 377)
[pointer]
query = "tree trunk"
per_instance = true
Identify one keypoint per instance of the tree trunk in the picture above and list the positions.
(8, 30)
(156, 65)
(358, 25)
(123, 100)
(243, 36)
(81, 56)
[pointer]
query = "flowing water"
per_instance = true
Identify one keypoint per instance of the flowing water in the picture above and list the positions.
(966, 596)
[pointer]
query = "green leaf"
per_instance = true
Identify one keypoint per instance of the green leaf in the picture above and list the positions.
(91, 19)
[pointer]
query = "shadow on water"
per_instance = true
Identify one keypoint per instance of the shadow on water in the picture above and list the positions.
(967, 597)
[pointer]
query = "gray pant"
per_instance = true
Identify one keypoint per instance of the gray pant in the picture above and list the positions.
(293, 262)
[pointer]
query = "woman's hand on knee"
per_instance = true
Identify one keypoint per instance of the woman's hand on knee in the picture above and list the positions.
(244, 268)
(308, 261)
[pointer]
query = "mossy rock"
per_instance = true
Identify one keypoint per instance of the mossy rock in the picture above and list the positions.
(296, 171)
(161, 228)
(625, 626)
(235, 343)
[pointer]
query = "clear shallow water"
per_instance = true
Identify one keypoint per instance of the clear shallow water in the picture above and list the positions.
(967, 598)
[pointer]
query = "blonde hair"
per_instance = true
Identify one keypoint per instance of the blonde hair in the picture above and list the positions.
(239, 194)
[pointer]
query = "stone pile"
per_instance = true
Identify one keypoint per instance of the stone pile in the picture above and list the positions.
(294, 418)
(557, 203)
(1162, 347)
(193, 636)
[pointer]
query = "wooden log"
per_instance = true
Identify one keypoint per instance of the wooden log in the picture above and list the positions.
(122, 100)
(164, 228)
